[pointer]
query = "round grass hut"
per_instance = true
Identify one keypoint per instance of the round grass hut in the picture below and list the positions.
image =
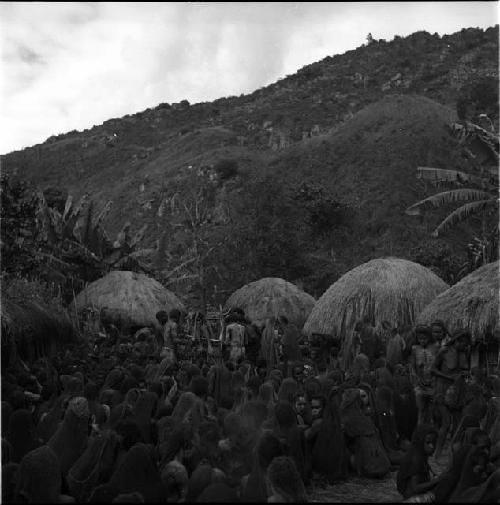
(384, 289)
(32, 330)
(128, 299)
(472, 303)
(272, 297)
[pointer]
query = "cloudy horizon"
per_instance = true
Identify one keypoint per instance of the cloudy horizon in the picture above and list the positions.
(74, 65)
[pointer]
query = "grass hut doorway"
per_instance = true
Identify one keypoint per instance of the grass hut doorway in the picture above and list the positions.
(272, 297)
(383, 290)
(128, 299)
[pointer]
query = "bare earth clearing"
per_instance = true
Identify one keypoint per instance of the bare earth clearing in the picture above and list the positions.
(363, 490)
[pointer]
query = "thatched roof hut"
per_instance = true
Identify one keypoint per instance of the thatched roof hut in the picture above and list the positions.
(34, 329)
(128, 298)
(472, 303)
(272, 297)
(385, 289)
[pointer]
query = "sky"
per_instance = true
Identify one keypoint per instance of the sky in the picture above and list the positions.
(73, 65)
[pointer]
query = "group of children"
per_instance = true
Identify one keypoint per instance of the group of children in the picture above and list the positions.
(162, 417)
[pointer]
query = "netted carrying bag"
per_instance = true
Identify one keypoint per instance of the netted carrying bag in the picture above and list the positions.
(83, 476)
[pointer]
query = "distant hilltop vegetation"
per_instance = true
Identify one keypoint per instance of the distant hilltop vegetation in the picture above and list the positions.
(303, 179)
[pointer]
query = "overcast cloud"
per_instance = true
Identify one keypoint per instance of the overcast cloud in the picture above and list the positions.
(70, 66)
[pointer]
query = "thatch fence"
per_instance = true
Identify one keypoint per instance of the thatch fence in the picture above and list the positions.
(385, 289)
(272, 297)
(32, 331)
(472, 303)
(128, 299)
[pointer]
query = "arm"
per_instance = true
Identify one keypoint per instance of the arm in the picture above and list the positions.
(421, 487)
(436, 367)
(414, 378)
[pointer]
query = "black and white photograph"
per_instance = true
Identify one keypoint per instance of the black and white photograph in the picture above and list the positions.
(249, 252)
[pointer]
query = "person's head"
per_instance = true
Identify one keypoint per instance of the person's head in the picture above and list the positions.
(174, 477)
(199, 386)
(262, 369)
(364, 396)
(268, 447)
(285, 415)
(300, 403)
(478, 437)
(209, 436)
(478, 461)
(298, 372)
(129, 432)
(276, 377)
(424, 439)
(317, 406)
(461, 339)
(218, 492)
(438, 330)
(39, 476)
(285, 480)
(423, 335)
(478, 375)
(134, 497)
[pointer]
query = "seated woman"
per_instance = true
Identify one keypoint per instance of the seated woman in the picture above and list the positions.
(384, 405)
(368, 455)
(476, 484)
(254, 486)
(414, 479)
(474, 437)
(458, 437)
(39, 478)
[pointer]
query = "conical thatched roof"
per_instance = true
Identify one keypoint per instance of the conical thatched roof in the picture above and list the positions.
(384, 289)
(472, 303)
(128, 298)
(272, 297)
(30, 321)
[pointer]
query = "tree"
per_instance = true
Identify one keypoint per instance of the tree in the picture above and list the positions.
(57, 240)
(195, 219)
(478, 96)
(268, 231)
(480, 197)
(18, 226)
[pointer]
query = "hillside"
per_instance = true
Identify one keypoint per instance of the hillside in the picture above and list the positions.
(358, 124)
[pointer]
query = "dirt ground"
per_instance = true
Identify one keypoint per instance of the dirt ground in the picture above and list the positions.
(358, 489)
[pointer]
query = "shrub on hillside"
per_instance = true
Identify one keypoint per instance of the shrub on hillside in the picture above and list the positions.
(440, 258)
(478, 96)
(226, 169)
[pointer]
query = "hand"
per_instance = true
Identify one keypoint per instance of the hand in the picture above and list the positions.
(173, 390)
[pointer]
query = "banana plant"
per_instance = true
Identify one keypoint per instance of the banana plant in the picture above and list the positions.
(476, 195)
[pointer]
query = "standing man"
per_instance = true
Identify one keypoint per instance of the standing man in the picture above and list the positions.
(451, 364)
(421, 362)
(290, 340)
(234, 337)
(171, 334)
(370, 342)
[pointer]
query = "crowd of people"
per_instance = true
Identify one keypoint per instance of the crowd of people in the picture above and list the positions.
(259, 415)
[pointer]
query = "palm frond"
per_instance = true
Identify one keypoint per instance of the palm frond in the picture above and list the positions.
(463, 213)
(73, 223)
(452, 196)
(67, 207)
(101, 216)
(138, 236)
(437, 175)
